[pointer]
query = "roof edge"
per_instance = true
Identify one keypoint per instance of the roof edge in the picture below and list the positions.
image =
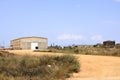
(29, 37)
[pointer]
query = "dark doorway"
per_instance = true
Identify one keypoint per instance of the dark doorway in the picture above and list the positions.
(36, 47)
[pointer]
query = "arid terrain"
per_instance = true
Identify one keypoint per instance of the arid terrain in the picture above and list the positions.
(92, 67)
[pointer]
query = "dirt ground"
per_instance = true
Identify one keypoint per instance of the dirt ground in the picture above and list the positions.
(92, 67)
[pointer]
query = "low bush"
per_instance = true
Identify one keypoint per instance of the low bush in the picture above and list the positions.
(38, 68)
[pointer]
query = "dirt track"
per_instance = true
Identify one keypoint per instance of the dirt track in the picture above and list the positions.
(92, 67)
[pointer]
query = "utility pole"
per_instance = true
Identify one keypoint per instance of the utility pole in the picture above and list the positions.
(3, 46)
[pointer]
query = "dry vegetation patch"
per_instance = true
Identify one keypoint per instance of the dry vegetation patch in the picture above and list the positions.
(92, 67)
(37, 67)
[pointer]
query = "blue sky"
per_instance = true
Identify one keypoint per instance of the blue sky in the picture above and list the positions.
(63, 22)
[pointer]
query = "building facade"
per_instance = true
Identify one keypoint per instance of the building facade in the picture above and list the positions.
(29, 43)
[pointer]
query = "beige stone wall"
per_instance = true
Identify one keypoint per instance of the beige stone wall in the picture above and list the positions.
(16, 44)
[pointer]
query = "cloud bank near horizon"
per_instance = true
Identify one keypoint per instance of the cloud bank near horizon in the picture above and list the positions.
(97, 38)
(67, 37)
(70, 37)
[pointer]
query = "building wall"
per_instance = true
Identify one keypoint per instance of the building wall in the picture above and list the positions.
(25, 43)
(15, 44)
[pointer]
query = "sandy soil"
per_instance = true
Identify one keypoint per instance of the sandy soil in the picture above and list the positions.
(92, 67)
(98, 68)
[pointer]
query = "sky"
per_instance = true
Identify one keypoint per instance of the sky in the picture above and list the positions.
(63, 22)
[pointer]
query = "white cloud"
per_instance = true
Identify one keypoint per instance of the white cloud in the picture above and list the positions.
(97, 38)
(117, 0)
(70, 37)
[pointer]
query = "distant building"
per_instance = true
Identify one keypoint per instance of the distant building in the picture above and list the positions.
(29, 43)
(109, 44)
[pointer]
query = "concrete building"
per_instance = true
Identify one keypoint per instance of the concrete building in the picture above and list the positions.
(29, 43)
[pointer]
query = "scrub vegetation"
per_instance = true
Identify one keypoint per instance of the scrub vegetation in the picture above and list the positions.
(15, 67)
(85, 50)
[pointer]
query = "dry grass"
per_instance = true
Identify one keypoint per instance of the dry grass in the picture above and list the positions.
(88, 50)
(45, 67)
(91, 66)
